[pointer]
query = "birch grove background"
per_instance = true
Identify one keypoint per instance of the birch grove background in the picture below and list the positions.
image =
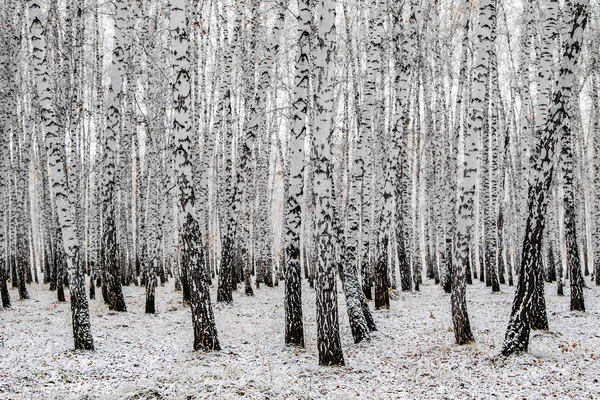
(362, 147)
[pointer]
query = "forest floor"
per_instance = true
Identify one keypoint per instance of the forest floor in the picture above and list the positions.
(412, 356)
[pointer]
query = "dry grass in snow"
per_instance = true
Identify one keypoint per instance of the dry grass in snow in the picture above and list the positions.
(412, 356)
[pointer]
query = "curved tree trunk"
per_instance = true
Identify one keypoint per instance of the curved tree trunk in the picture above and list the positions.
(516, 339)
(545, 74)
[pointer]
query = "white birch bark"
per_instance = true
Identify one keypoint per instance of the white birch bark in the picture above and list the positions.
(596, 170)
(110, 261)
(58, 181)
(468, 177)
(4, 181)
(516, 339)
(228, 223)
(205, 333)
(328, 335)
(294, 328)
(406, 38)
(544, 96)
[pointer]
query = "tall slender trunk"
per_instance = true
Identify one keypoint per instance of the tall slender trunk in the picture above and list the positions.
(205, 333)
(229, 221)
(491, 156)
(328, 334)
(4, 155)
(294, 327)
(573, 260)
(110, 259)
(58, 179)
(544, 83)
(596, 138)
(362, 166)
(468, 173)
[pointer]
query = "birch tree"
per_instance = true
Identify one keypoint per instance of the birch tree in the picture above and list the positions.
(5, 93)
(369, 128)
(544, 81)
(110, 261)
(406, 38)
(328, 334)
(489, 151)
(573, 255)
(596, 138)
(58, 181)
(294, 325)
(229, 221)
(468, 177)
(516, 339)
(205, 333)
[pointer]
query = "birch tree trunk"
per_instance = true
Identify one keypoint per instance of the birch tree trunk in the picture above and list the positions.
(266, 80)
(205, 333)
(229, 222)
(468, 173)
(573, 256)
(369, 129)
(328, 334)
(516, 339)
(596, 139)
(488, 170)
(460, 126)
(82, 335)
(253, 98)
(544, 81)
(357, 309)
(153, 222)
(110, 259)
(294, 328)
(522, 144)
(4, 184)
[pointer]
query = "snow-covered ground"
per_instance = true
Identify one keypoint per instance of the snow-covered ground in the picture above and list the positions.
(141, 356)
